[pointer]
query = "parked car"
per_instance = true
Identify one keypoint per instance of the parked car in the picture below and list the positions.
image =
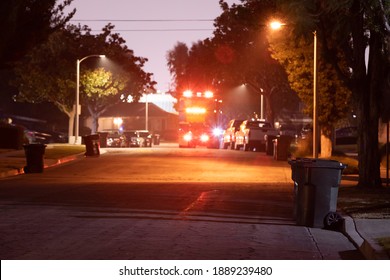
(251, 135)
(346, 135)
(138, 138)
(229, 133)
(116, 140)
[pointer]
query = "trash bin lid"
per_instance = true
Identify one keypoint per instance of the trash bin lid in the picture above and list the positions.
(317, 163)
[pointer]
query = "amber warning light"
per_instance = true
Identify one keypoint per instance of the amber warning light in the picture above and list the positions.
(196, 110)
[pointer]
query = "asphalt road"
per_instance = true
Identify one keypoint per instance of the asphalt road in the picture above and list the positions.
(160, 203)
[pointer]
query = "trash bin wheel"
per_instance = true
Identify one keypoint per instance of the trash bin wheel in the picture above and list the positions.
(333, 221)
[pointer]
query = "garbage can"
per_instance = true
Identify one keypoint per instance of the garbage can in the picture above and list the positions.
(92, 145)
(316, 183)
(282, 147)
(269, 146)
(34, 158)
(103, 139)
(156, 139)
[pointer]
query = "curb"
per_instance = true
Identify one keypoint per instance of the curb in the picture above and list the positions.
(54, 162)
(369, 248)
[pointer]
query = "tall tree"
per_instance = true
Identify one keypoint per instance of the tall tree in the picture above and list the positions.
(101, 88)
(48, 72)
(27, 23)
(238, 54)
(350, 32)
(296, 55)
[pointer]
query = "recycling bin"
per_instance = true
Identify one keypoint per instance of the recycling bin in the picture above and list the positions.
(34, 158)
(92, 145)
(316, 183)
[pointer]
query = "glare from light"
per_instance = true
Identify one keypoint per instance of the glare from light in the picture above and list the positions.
(196, 110)
(187, 93)
(217, 131)
(204, 138)
(187, 137)
(209, 94)
(275, 25)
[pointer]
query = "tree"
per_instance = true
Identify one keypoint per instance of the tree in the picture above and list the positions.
(27, 23)
(101, 88)
(334, 97)
(351, 31)
(236, 54)
(48, 72)
(177, 60)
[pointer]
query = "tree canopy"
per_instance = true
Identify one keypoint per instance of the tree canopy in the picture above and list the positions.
(355, 39)
(236, 54)
(27, 23)
(48, 71)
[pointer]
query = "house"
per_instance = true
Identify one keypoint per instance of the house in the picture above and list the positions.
(129, 116)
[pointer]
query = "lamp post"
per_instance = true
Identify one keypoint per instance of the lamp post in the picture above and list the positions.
(77, 111)
(275, 25)
(260, 91)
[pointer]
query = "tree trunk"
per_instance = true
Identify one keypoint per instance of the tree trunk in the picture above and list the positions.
(366, 95)
(71, 123)
(326, 145)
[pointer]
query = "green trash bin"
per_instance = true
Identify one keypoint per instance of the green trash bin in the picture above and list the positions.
(34, 158)
(92, 145)
(316, 183)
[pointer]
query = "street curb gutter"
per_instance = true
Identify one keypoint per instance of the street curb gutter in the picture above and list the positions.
(369, 248)
(52, 163)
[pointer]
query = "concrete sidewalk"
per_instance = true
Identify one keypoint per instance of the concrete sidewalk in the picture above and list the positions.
(363, 233)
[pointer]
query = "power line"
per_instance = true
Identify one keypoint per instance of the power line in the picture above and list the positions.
(157, 30)
(144, 20)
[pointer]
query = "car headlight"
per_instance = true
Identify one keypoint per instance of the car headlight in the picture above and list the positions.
(204, 138)
(217, 131)
(187, 137)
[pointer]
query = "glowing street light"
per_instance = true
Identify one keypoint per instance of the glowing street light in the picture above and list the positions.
(77, 111)
(275, 25)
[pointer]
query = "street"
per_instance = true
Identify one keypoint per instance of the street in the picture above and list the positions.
(160, 203)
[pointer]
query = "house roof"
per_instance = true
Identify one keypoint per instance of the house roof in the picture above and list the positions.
(134, 110)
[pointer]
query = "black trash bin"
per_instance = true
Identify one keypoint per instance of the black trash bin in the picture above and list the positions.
(156, 139)
(34, 158)
(103, 139)
(316, 183)
(282, 146)
(92, 145)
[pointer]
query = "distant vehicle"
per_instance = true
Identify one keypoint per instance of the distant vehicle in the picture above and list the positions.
(229, 139)
(193, 134)
(38, 137)
(346, 135)
(138, 138)
(251, 134)
(116, 140)
(288, 130)
(199, 118)
(307, 131)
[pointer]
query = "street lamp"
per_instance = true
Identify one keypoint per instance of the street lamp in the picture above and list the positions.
(260, 91)
(275, 25)
(77, 111)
